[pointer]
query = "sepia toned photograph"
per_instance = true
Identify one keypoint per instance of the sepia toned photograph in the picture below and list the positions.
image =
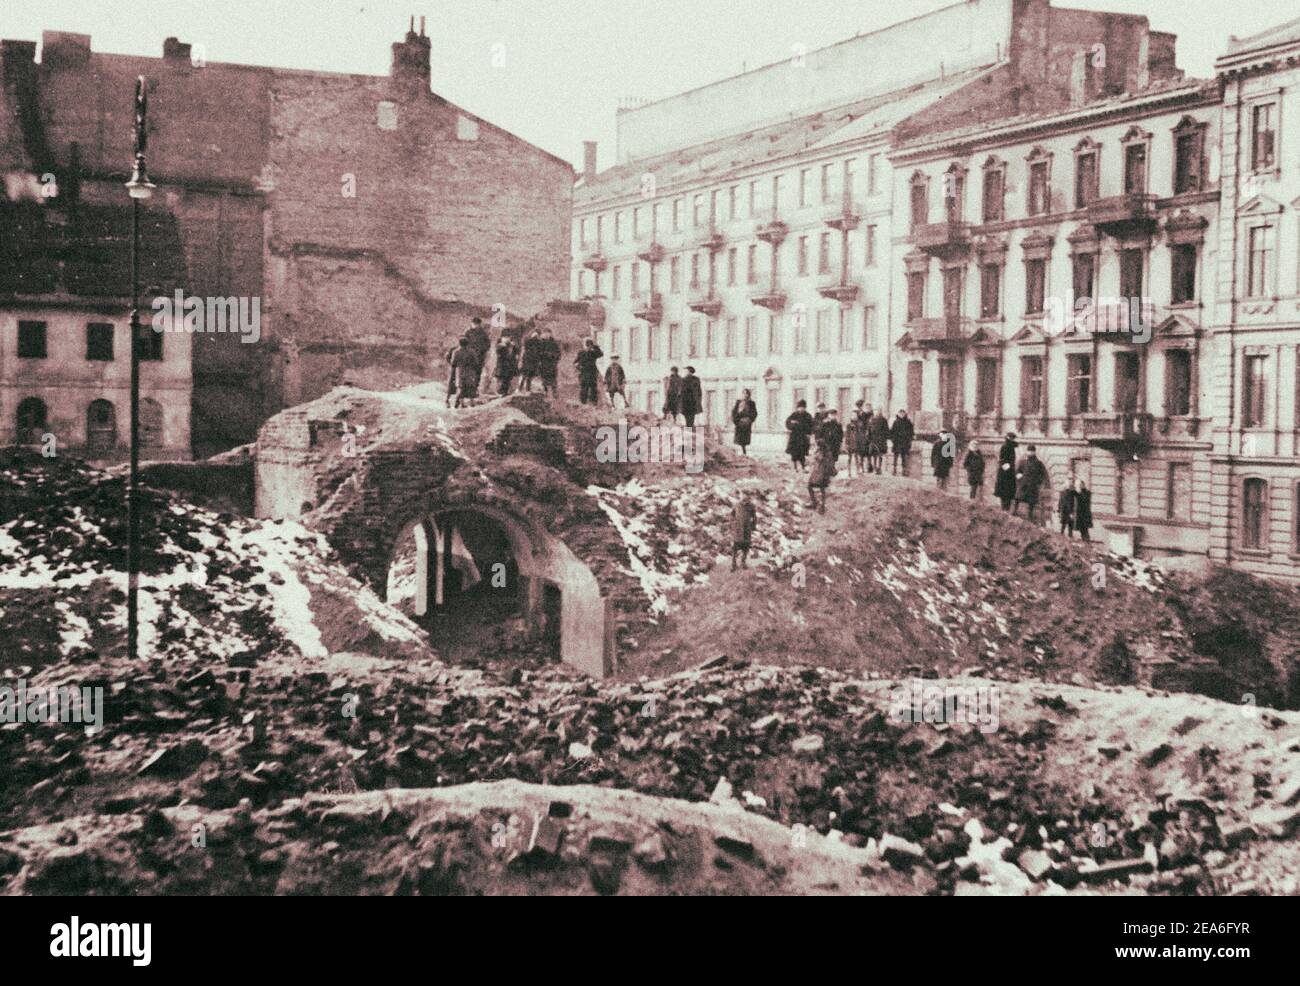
(628, 448)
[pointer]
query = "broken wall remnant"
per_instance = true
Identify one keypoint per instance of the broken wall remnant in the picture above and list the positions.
(370, 470)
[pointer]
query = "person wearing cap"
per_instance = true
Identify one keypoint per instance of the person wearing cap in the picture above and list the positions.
(672, 394)
(1031, 477)
(800, 427)
(692, 396)
(588, 371)
(615, 381)
(900, 434)
(1004, 487)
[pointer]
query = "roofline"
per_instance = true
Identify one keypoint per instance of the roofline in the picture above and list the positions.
(1197, 92)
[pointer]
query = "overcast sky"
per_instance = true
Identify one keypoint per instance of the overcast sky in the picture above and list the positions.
(553, 71)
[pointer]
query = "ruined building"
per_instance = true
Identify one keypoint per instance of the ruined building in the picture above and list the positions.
(368, 216)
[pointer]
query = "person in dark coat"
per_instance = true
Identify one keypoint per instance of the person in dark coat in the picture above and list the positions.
(900, 434)
(1065, 507)
(507, 363)
(855, 436)
(831, 434)
(878, 442)
(800, 427)
(530, 360)
(588, 371)
(974, 466)
(1031, 477)
(480, 342)
(1082, 509)
(692, 397)
(548, 362)
(743, 415)
(819, 476)
(743, 521)
(1004, 487)
(942, 454)
(464, 372)
(615, 381)
(672, 394)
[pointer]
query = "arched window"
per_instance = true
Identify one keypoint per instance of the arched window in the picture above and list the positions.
(32, 414)
(151, 423)
(101, 426)
(1254, 500)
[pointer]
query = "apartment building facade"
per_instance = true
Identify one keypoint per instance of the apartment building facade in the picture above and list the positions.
(1053, 278)
(1255, 376)
(746, 227)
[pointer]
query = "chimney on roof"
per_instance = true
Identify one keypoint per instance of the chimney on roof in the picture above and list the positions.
(411, 57)
(176, 52)
(588, 160)
(62, 49)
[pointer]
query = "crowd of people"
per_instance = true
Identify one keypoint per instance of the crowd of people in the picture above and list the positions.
(516, 367)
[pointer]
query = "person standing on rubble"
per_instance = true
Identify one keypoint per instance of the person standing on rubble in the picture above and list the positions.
(1031, 477)
(615, 381)
(942, 454)
(831, 433)
(974, 466)
(672, 394)
(692, 397)
(507, 363)
(743, 415)
(1004, 487)
(464, 373)
(823, 465)
(1066, 505)
(743, 521)
(800, 427)
(588, 371)
(1082, 509)
(877, 442)
(480, 343)
(530, 360)
(900, 434)
(548, 363)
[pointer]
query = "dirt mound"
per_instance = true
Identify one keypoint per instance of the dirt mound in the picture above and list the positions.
(901, 578)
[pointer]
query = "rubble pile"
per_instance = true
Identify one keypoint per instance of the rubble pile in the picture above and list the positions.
(677, 531)
(224, 587)
(1170, 785)
(902, 578)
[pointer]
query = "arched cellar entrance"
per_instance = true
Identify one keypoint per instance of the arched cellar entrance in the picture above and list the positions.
(489, 589)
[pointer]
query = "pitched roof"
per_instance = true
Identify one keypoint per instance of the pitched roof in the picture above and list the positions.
(853, 121)
(84, 251)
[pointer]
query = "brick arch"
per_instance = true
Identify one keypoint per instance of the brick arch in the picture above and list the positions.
(587, 626)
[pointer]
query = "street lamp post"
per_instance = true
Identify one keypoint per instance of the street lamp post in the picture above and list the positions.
(139, 188)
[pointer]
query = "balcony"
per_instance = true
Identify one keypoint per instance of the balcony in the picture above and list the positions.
(772, 232)
(652, 254)
(929, 424)
(943, 239)
(708, 305)
(650, 308)
(1119, 431)
(713, 240)
(946, 332)
(595, 261)
(839, 291)
(1122, 215)
(773, 301)
(844, 218)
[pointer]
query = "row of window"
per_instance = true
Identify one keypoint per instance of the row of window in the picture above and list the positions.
(730, 337)
(1188, 176)
(33, 341)
(1084, 266)
(1081, 394)
(826, 184)
(32, 423)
